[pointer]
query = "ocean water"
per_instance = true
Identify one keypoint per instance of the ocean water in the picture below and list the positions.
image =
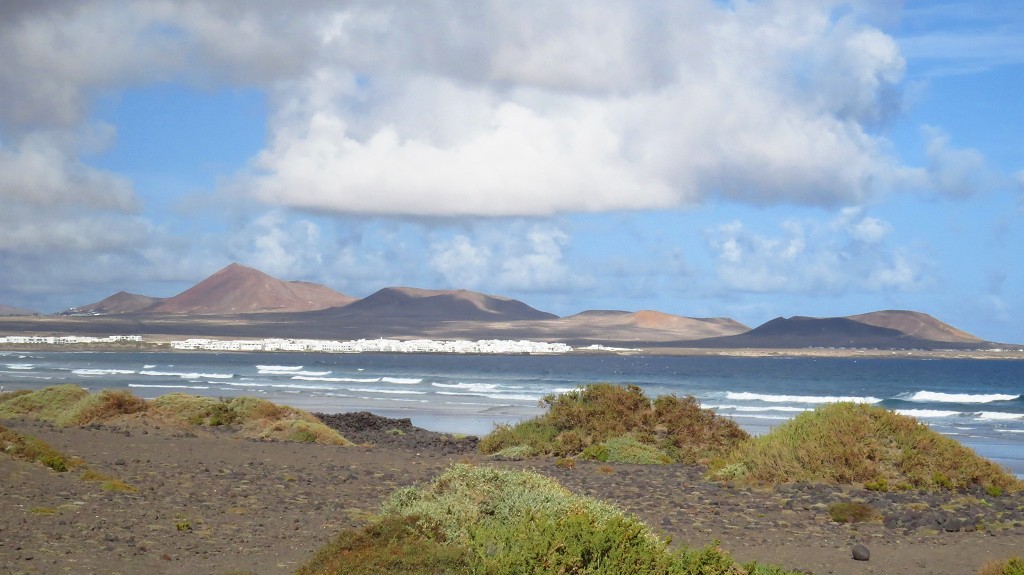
(979, 403)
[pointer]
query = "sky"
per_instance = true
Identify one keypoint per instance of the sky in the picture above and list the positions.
(748, 159)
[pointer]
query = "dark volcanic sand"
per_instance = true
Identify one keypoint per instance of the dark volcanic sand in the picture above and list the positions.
(264, 507)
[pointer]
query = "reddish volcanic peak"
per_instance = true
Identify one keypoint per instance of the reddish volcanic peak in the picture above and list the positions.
(916, 324)
(648, 321)
(240, 289)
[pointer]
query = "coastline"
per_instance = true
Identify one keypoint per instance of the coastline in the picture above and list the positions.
(162, 344)
(438, 393)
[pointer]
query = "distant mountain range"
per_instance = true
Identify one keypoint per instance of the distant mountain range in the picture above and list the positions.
(240, 301)
(6, 310)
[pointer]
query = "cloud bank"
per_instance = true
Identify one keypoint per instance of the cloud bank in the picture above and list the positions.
(491, 109)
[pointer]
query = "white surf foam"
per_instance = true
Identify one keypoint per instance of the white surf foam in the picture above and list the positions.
(999, 416)
(336, 379)
(20, 366)
(747, 396)
(393, 391)
(926, 413)
(85, 371)
(187, 375)
(167, 386)
(938, 397)
(751, 408)
(478, 387)
(277, 368)
(402, 380)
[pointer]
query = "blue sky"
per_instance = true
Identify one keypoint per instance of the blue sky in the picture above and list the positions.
(747, 159)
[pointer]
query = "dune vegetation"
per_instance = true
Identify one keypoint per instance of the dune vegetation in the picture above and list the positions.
(843, 443)
(33, 449)
(497, 521)
(618, 424)
(856, 443)
(27, 448)
(67, 405)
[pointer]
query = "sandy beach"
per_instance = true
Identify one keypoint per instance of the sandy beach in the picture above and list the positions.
(213, 503)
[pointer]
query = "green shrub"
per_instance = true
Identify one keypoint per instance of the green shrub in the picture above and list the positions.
(598, 452)
(857, 443)
(565, 463)
(878, 484)
(538, 433)
(628, 449)
(695, 434)
(47, 404)
(601, 411)
(498, 521)
(515, 453)
(393, 545)
(582, 421)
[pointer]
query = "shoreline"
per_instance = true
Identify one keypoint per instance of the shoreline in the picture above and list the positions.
(161, 344)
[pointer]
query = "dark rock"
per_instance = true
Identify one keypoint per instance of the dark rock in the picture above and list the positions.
(861, 553)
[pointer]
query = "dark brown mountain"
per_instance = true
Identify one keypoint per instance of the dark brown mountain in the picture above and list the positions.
(10, 311)
(119, 303)
(414, 304)
(916, 324)
(833, 332)
(238, 289)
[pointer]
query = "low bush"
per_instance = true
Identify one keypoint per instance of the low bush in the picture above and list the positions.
(105, 405)
(255, 418)
(852, 512)
(608, 422)
(399, 545)
(1013, 566)
(626, 449)
(857, 443)
(47, 404)
(482, 520)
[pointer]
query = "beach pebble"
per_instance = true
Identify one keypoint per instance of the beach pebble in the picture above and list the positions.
(861, 553)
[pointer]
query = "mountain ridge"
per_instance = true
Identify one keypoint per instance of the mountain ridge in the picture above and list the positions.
(242, 300)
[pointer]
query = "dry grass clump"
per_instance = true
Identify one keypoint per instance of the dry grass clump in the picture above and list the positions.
(1013, 566)
(71, 405)
(857, 443)
(29, 448)
(852, 512)
(498, 521)
(103, 406)
(253, 417)
(615, 423)
(108, 482)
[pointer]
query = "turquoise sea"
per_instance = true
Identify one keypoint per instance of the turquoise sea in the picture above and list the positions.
(979, 403)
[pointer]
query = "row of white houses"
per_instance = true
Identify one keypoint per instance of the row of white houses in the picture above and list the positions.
(374, 345)
(66, 339)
